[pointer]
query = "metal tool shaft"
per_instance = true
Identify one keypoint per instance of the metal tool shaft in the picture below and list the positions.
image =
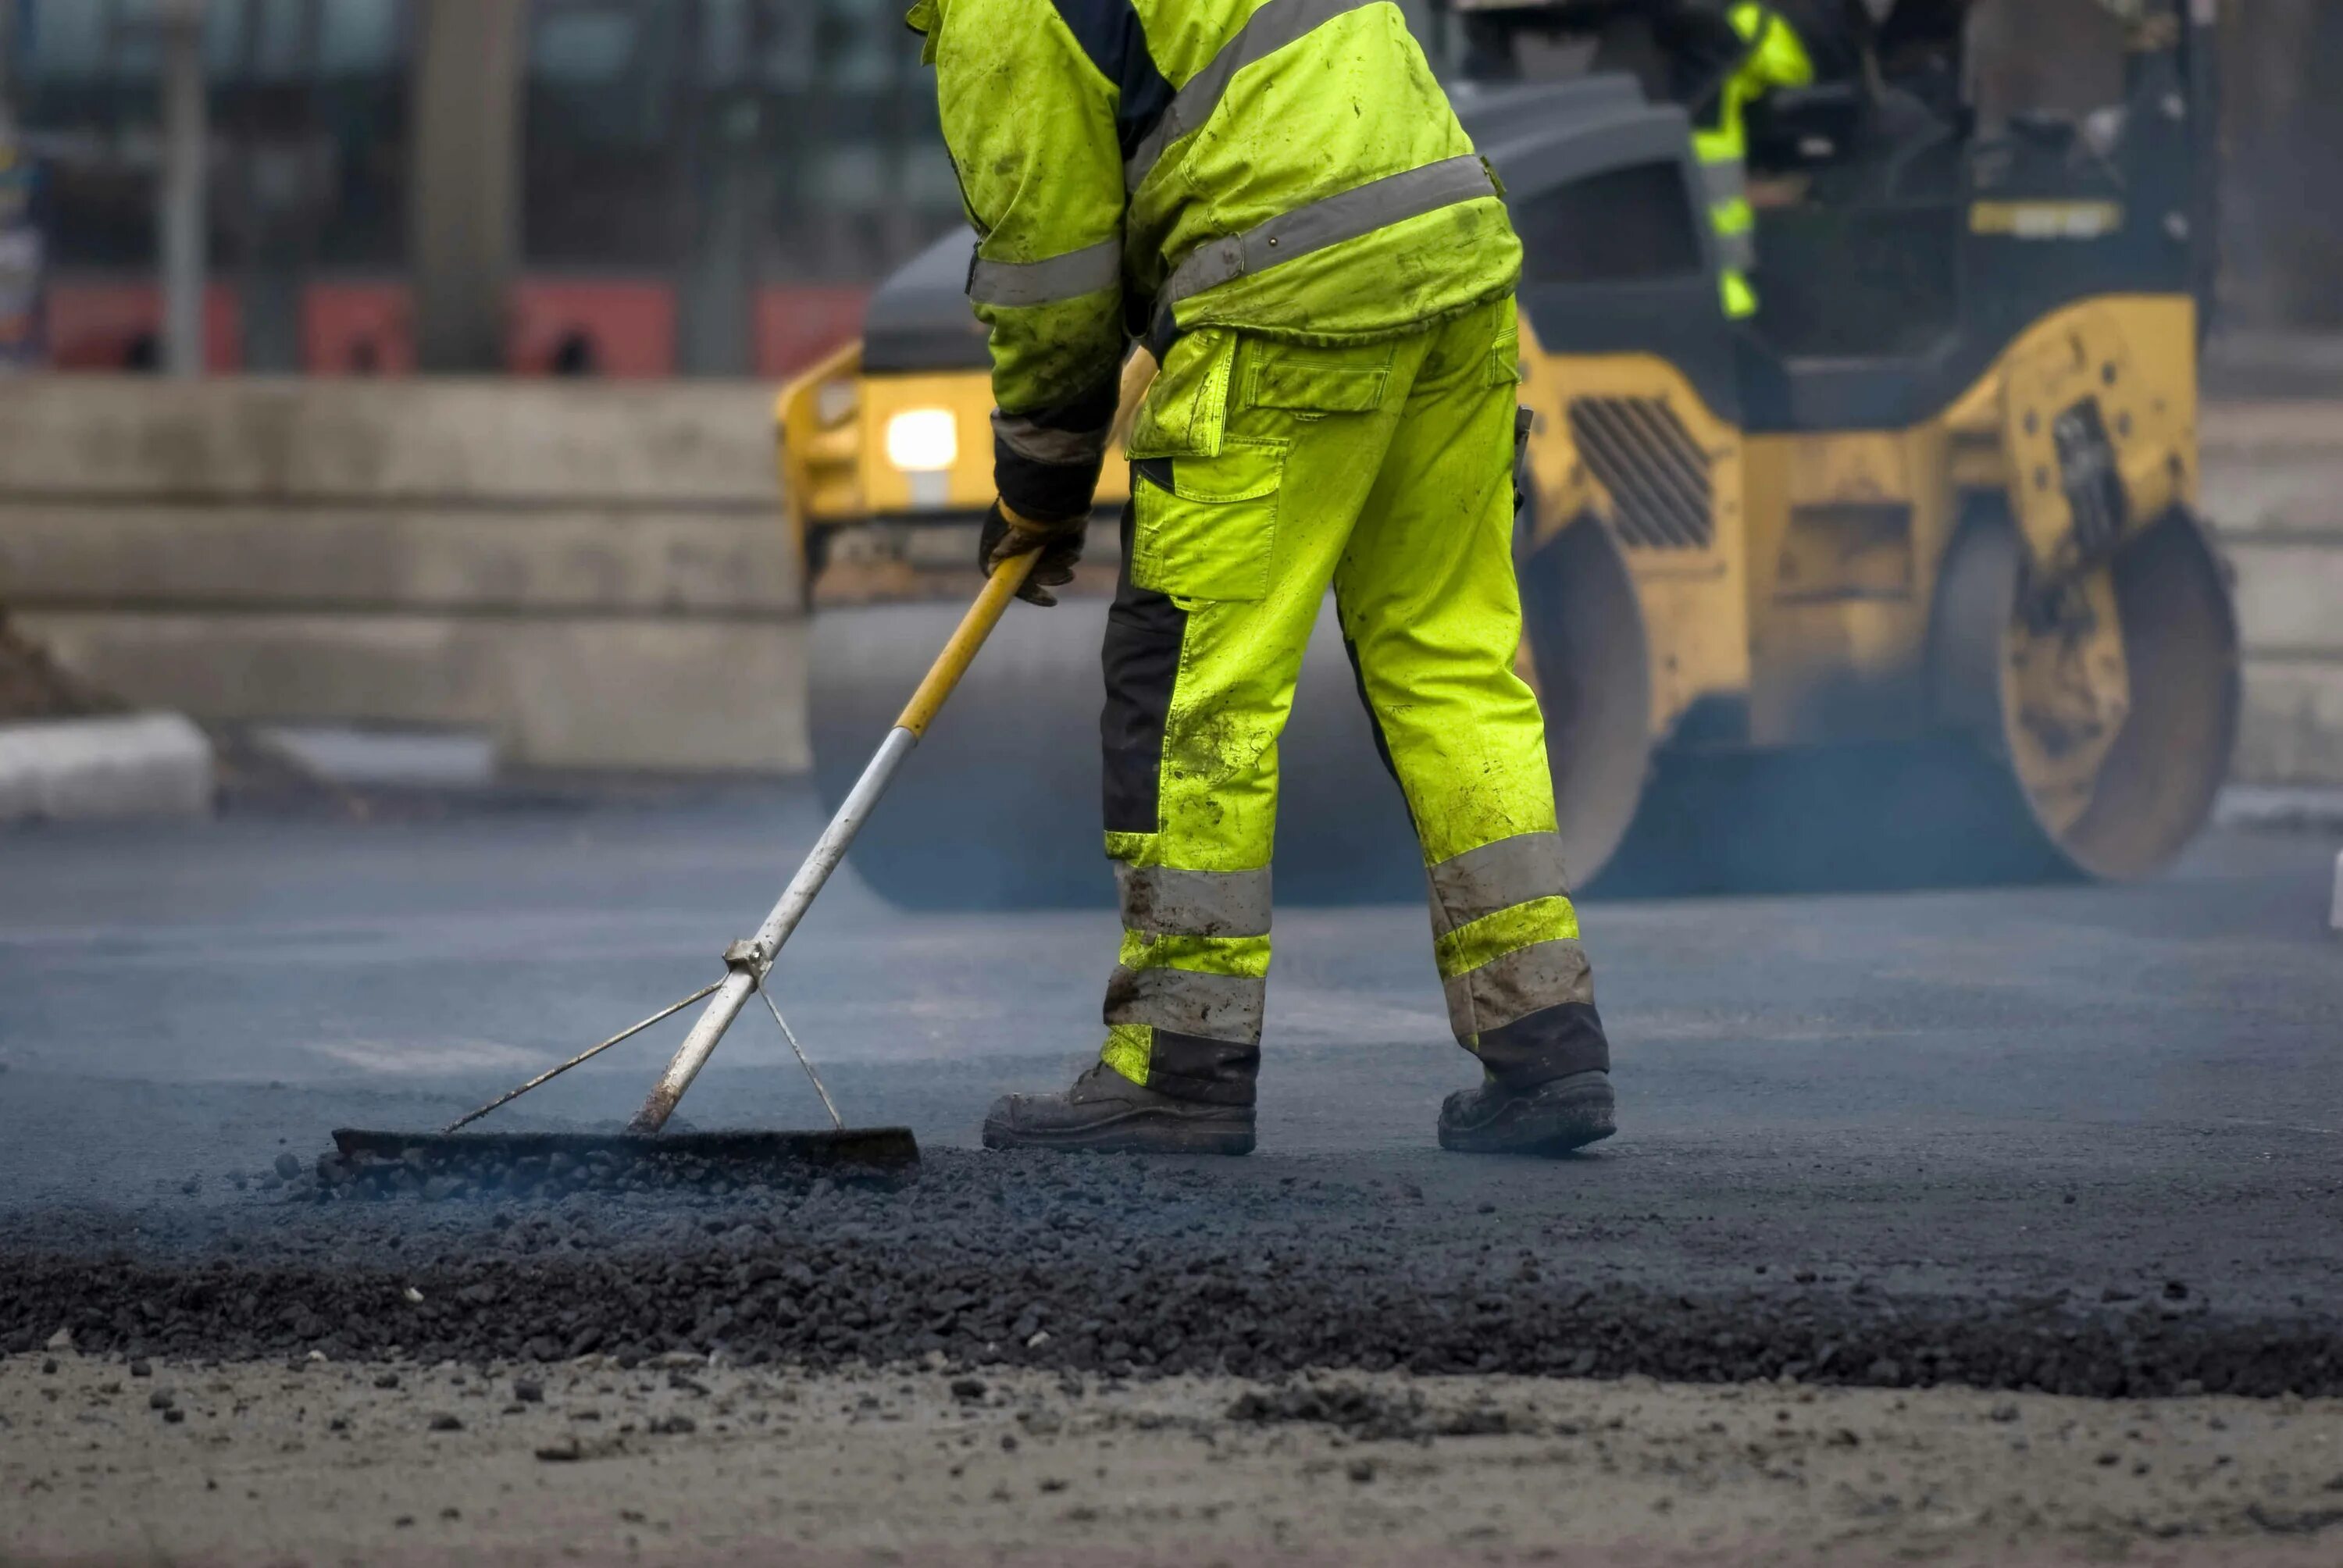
(749, 971)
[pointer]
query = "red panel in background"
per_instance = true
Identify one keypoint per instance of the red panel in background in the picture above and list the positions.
(569, 327)
(623, 327)
(358, 329)
(95, 324)
(797, 324)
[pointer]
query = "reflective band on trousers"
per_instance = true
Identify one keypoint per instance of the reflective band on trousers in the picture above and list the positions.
(1277, 24)
(1514, 985)
(1162, 901)
(1328, 221)
(1210, 1007)
(1496, 876)
(1069, 277)
(1727, 180)
(1730, 214)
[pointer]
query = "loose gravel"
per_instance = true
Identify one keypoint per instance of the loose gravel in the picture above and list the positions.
(1116, 1265)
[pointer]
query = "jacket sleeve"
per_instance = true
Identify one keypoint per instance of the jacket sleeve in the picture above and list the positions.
(1728, 49)
(1703, 49)
(1776, 54)
(1029, 122)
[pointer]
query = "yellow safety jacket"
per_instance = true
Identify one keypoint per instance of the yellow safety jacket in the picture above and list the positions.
(1773, 56)
(1143, 168)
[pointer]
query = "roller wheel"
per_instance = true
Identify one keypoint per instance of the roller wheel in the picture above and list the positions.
(1590, 659)
(2110, 700)
(2079, 731)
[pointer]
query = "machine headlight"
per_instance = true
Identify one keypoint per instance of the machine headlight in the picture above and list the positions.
(924, 440)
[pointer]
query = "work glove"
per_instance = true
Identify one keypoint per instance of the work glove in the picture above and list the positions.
(1007, 536)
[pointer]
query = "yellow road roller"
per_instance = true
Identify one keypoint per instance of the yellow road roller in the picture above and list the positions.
(1900, 582)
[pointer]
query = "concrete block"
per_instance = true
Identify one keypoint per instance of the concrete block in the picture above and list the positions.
(605, 443)
(2288, 591)
(401, 757)
(584, 557)
(2281, 807)
(2292, 727)
(85, 769)
(2240, 368)
(625, 692)
(2262, 430)
(2277, 493)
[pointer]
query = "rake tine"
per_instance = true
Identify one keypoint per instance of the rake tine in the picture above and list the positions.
(787, 1033)
(625, 1034)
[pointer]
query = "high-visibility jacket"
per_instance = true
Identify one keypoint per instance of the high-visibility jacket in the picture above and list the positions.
(1144, 168)
(1772, 56)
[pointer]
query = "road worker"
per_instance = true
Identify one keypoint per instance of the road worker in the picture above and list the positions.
(1724, 56)
(1274, 198)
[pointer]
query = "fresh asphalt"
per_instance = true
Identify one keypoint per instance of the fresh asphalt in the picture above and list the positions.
(2083, 1138)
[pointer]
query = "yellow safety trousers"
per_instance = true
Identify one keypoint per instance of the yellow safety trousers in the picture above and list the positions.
(1263, 473)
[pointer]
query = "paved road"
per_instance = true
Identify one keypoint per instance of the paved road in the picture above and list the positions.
(1936, 1107)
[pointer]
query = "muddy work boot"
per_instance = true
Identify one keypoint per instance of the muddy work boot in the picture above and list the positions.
(1550, 1118)
(1106, 1113)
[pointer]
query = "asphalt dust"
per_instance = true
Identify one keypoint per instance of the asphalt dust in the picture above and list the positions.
(318, 1461)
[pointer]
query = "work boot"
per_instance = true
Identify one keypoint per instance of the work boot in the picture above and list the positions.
(1550, 1118)
(1106, 1113)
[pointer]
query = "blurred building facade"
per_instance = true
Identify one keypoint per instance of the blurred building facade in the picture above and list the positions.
(705, 186)
(711, 186)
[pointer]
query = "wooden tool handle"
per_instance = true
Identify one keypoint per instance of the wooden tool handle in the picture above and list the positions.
(1138, 375)
(973, 629)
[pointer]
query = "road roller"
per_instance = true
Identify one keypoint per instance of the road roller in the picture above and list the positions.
(1902, 581)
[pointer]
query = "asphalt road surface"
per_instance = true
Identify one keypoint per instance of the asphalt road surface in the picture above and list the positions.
(2071, 1140)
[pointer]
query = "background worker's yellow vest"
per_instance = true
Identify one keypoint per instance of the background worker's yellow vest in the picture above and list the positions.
(1775, 57)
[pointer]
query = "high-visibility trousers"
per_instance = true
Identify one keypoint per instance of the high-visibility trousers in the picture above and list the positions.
(1734, 221)
(1264, 472)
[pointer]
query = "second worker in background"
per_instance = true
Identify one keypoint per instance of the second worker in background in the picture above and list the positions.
(1278, 201)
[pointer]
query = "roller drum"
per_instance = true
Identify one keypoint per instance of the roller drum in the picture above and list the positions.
(2075, 733)
(2110, 708)
(1001, 807)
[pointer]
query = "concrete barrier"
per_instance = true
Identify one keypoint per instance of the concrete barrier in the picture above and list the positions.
(2273, 485)
(597, 575)
(93, 769)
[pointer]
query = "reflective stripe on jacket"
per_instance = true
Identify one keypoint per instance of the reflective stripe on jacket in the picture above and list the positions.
(1288, 167)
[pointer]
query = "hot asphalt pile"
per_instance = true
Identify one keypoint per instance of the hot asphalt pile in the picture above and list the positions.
(1107, 1264)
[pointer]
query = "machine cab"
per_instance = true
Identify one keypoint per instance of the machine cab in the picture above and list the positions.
(1918, 207)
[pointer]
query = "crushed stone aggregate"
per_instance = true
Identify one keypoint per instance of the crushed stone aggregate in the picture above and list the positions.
(1116, 1265)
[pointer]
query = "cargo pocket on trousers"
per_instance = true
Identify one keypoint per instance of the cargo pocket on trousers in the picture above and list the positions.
(1186, 413)
(1311, 382)
(1202, 527)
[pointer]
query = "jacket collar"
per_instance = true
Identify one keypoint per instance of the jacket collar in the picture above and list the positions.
(925, 18)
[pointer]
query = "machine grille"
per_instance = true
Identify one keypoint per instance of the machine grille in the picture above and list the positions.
(1656, 474)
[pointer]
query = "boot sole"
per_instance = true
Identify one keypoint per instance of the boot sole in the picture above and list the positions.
(1558, 1122)
(1140, 1132)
